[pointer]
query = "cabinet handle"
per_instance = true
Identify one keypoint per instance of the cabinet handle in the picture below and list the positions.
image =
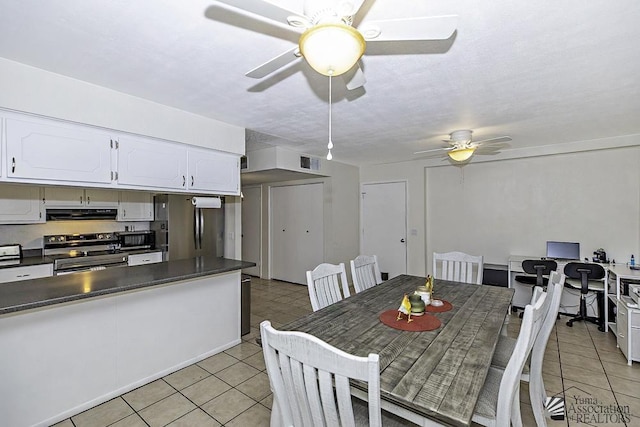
(184, 180)
(88, 200)
(111, 175)
(124, 213)
(116, 175)
(80, 199)
(13, 165)
(192, 180)
(23, 275)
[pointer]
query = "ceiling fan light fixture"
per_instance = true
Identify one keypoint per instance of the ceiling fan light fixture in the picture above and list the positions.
(461, 154)
(332, 49)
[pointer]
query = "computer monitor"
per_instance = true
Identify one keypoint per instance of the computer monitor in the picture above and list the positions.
(563, 250)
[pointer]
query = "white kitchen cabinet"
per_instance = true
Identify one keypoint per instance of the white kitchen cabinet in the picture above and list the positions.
(20, 204)
(14, 274)
(146, 258)
(40, 150)
(135, 206)
(151, 163)
(73, 197)
(214, 172)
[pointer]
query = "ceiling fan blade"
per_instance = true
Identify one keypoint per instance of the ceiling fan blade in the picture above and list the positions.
(425, 28)
(443, 149)
(495, 140)
(262, 9)
(274, 64)
(356, 79)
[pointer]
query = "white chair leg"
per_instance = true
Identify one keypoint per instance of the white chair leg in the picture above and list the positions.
(516, 418)
(276, 418)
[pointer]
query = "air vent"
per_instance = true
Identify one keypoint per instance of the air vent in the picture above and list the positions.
(309, 163)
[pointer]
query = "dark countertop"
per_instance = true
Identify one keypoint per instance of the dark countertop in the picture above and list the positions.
(34, 257)
(29, 257)
(29, 294)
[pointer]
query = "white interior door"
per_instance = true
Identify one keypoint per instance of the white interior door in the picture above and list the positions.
(384, 225)
(251, 218)
(297, 230)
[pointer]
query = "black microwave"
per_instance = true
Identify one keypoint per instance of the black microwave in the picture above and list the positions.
(130, 240)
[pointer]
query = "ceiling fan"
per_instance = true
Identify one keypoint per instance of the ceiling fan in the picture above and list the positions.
(461, 147)
(329, 41)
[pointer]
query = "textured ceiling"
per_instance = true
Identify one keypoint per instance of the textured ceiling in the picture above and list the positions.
(543, 72)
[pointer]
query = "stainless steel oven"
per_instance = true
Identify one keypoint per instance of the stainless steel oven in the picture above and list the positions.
(74, 253)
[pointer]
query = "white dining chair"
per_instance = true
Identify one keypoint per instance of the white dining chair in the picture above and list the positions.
(458, 267)
(499, 401)
(308, 377)
(365, 272)
(324, 283)
(532, 370)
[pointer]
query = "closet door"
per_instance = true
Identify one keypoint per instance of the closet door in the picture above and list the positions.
(297, 231)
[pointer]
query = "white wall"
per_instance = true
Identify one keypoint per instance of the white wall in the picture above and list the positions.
(515, 206)
(32, 90)
(614, 224)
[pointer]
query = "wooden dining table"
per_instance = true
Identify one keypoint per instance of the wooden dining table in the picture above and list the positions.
(432, 377)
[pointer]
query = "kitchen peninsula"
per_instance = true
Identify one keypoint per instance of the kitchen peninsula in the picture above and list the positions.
(73, 341)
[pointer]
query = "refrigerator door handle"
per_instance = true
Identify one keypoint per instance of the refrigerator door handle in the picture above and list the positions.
(196, 228)
(201, 228)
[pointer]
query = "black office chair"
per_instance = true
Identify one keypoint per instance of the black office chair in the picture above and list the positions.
(586, 272)
(541, 268)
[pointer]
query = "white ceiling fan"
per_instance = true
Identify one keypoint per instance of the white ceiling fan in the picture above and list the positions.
(329, 42)
(461, 147)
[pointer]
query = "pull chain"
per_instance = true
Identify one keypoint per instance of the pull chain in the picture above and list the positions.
(330, 144)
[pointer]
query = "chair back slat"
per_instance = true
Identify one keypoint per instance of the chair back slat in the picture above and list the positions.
(310, 380)
(532, 320)
(365, 272)
(458, 267)
(537, 393)
(327, 285)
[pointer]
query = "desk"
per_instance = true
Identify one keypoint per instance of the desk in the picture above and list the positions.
(522, 295)
(428, 377)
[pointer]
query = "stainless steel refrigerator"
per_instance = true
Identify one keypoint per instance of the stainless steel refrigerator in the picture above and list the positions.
(184, 231)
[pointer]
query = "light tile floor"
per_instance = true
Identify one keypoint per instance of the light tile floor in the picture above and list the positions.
(232, 388)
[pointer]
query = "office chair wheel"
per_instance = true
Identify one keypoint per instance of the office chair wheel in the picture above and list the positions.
(570, 323)
(601, 328)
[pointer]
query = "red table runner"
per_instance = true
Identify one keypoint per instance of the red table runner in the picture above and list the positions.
(426, 322)
(446, 306)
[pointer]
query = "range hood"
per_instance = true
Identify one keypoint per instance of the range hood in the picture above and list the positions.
(81, 214)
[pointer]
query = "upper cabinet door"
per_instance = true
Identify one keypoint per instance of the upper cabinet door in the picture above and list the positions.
(214, 172)
(135, 206)
(100, 198)
(41, 149)
(20, 204)
(151, 163)
(63, 197)
(74, 197)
